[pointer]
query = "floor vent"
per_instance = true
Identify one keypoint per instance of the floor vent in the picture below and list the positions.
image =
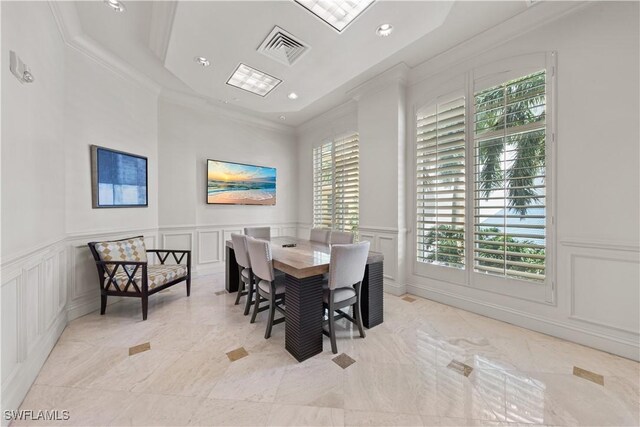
(283, 47)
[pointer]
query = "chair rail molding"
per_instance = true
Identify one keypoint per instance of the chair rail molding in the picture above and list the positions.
(584, 312)
(207, 241)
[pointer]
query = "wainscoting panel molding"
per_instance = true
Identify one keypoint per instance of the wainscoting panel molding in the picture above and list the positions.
(598, 298)
(34, 295)
(209, 246)
(208, 254)
(604, 287)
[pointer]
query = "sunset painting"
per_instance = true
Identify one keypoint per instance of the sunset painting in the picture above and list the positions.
(239, 184)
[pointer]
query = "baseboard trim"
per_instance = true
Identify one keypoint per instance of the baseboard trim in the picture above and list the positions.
(553, 327)
(394, 288)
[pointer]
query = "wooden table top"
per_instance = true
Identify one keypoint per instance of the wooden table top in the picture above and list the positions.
(306, 259)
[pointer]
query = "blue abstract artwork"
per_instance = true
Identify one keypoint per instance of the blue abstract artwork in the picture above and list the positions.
(120, 179)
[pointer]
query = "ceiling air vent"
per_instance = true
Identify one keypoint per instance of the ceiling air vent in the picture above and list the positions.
(283, 47)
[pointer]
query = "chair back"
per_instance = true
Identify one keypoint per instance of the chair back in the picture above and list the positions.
(347, 264)
(341, 238)
(263, 233)
(261, 259)
(320, 235)
(241, 250)
(129, 249)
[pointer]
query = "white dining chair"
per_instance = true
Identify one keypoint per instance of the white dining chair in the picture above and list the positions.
(320, 235)
(346, 271)
(341, 238)
(267, 287)
(245, 283)
(263, 233)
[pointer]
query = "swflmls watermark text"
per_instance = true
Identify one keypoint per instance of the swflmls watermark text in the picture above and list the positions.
(39, 415)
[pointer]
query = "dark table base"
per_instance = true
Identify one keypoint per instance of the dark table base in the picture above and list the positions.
(303, 327)
(372, 300)
(231, 271)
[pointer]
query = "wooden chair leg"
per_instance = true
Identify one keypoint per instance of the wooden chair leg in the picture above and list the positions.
(358, 312)
(145, 306)
(103, 304)
(240, 284)
(256, 305)
(272, 315)
(332, 325)
(247, 306)
(240, 290)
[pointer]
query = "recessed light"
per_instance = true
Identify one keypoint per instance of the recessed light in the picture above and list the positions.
(283, 118)
(116, 5)
(293, 95)
(384, 30)
(202, 61)
(252, 80)
(337, 13)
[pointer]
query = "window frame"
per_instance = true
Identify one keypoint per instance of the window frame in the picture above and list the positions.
(469, 83)
(332, 142)
(437, 271)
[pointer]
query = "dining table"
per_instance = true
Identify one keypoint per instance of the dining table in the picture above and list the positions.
(304, 264)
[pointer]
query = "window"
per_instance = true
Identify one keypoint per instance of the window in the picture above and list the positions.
(510, 173)
(336, 184)
(440, 181)
(506, 165)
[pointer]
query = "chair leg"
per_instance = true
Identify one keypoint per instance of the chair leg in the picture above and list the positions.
(189, 286)
(247, 306)
(240, 284)
(358, 312)
(332, 325)
(240, 290)
(145, 306)
(103, 304)
(272, 314)
(256, 305)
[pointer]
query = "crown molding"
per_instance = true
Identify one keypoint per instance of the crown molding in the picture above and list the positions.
(162, 16)
(202, 103)
(68, 22)
(528, 20)
(329, 117)
(398, 75)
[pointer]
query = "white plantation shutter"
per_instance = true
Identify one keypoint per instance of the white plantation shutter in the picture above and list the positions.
(336, 184)
(346, 184)
(440, 181)
(510, 126)
(322, 185)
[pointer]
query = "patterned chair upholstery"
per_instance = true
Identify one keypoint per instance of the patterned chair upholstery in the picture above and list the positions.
(124, 269)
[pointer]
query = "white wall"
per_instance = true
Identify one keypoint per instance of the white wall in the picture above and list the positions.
(596, 178)
(33, 156)
(188, 135)
(105, 109)
(33, 285)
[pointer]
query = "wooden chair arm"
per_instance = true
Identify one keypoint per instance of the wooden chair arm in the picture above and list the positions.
(174, 253)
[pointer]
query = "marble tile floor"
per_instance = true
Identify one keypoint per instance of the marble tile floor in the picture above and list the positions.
(428, 364)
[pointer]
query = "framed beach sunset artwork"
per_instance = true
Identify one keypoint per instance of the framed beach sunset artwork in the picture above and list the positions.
(239, 184)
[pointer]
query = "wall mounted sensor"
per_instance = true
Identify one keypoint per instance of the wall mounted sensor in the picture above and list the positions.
(19, 68)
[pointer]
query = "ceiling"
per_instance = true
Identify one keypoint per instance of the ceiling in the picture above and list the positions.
(161, 38)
